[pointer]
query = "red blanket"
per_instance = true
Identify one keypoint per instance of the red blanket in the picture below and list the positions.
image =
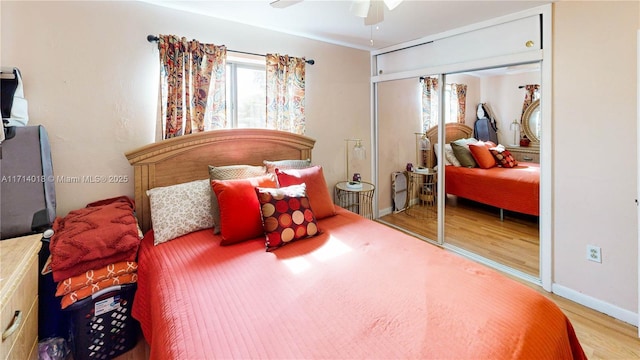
(515, 189)
(100, 234)
(359, 290)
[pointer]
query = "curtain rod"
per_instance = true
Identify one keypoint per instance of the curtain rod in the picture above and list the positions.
(153, 38)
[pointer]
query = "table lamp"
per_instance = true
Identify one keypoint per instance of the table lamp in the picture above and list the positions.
(423, 144)
(358, 153)
(515, 127)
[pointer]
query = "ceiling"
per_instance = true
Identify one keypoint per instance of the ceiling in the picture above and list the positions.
(333, 22)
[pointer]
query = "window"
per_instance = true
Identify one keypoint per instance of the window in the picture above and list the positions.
(450, 104)
(246, 95)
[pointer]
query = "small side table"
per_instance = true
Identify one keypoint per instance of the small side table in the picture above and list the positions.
(424, 184)
(357, 200)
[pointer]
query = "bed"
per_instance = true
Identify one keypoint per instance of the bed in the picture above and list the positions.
(515, 189)
(356, 290)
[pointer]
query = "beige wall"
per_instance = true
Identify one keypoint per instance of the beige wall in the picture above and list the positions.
(91, 79)
(594, 149)
(399, 118)
(505, 99)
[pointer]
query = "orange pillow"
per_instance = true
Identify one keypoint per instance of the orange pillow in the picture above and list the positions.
(240, 216)
(482, 155)
(317, 190)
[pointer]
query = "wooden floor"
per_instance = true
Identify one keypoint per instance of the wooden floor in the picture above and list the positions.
(601, 336)
(477, 228)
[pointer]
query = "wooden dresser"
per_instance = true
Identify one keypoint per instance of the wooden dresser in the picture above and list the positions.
(526, 154)
(19, 297)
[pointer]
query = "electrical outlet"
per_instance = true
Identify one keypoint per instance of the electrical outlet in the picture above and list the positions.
(594, 253)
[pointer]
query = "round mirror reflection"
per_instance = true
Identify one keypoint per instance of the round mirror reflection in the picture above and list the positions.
(532, 122)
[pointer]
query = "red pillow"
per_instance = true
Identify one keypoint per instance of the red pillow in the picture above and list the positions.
(482, 155)
(286, 215)
(240, 216)
(317, 190)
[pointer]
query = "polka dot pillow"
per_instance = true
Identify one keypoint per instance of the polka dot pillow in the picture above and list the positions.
(503, 157)
(286, 215)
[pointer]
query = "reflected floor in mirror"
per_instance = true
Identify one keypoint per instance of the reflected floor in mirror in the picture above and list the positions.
(477, 228)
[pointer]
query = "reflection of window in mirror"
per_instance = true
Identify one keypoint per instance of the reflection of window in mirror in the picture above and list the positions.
(458, 106)
(455, 100)
(430, 101)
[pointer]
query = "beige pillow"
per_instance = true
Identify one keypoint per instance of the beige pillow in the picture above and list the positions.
(229, 172)
(286, 164)
(450, 156)
(179, 209)
(444, 158)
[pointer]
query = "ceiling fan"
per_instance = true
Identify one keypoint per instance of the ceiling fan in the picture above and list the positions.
(371, 10)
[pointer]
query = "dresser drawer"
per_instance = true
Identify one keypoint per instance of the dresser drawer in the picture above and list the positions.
(26, 343)
(525, 154)
(19, 302)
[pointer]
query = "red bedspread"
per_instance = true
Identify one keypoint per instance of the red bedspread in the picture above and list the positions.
(516, 189)
(359, 290)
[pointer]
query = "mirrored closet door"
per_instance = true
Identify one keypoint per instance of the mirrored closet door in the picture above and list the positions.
(408, 176)
(491, 205)
(428, 128)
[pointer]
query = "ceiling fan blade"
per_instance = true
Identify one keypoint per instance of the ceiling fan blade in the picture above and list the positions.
(372, 10)
(281, 4)
(392, 4)
(376, 13)
(360, 8)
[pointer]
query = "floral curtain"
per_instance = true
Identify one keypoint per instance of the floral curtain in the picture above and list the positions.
(429, 102)
(532, 93)
(193, 93)
(285, 93)
(460, 91)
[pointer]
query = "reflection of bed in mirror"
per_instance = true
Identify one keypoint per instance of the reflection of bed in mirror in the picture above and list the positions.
(515, 189)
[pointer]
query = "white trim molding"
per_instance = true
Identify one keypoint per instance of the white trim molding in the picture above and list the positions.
(638, 175)
(596, 304)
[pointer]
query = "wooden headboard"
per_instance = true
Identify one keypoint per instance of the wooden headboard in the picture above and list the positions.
(186, 158)
(453, 131)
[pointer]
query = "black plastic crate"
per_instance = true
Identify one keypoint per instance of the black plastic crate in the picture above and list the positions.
(101, 327)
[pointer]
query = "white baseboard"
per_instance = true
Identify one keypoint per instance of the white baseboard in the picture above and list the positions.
(596, 304)
(389, 210)
(383, 212)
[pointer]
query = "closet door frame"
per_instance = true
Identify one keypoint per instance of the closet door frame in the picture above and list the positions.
(544, 55)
